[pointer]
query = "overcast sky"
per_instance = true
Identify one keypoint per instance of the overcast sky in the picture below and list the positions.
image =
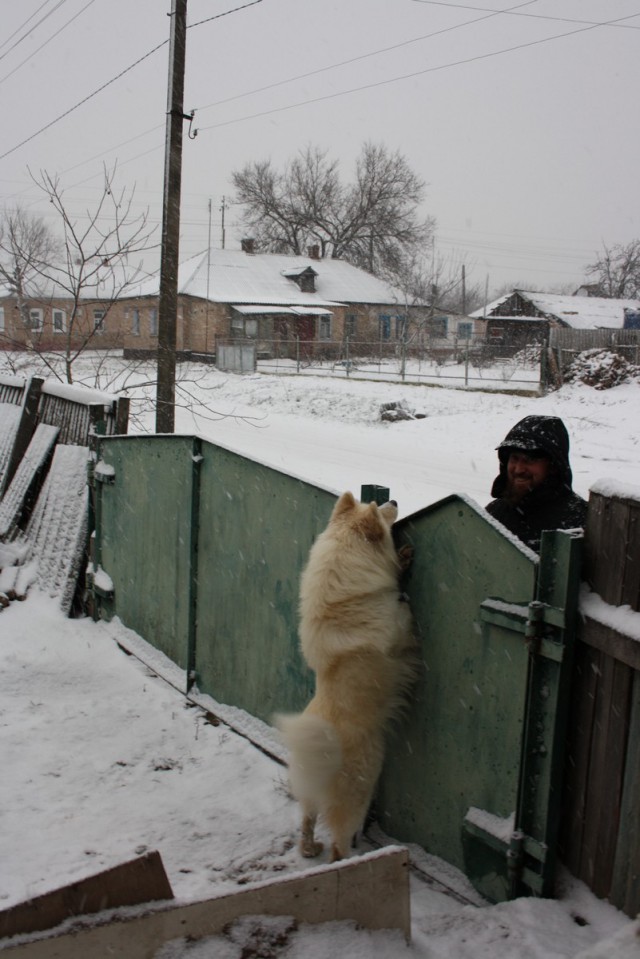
(522, 118)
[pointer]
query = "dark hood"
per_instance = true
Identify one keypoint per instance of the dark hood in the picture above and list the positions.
(546, 433)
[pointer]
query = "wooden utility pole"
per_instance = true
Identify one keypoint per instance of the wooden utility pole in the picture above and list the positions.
(169, 257)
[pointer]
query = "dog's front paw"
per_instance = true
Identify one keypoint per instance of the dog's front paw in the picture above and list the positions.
(405, 557)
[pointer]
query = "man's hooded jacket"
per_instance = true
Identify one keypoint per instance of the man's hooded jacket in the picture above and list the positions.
(553, 504)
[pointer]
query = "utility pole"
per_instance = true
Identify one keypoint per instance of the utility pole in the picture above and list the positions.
(169, 257)
(464, 290)
(222, 211)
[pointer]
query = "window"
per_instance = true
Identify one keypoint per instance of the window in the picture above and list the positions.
(98, 320)
(59, 321)
(384, 323)
(135, 323)
(438, 326)
(1, 319)
(400, 327)
(350, 324)
(324, 328)
(35, 319)
(465, 330)
(153, 322)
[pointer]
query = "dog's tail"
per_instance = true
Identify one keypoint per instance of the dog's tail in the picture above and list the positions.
(315, 754)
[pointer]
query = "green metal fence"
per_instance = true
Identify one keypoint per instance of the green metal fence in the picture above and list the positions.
(204, 550)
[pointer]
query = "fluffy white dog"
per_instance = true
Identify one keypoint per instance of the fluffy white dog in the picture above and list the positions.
(356, 634)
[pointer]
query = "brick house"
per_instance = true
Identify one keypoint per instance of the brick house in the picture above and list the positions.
(54, 323)
(267, 297)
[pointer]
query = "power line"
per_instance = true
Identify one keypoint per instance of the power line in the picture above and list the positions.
(42, 45)
(417, 73)
(34, 27)
(18, 29)
(84, 100)
(118, 76)
(534, 16)
(363, 56)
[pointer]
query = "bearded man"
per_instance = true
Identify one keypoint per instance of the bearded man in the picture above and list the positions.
(533, 490)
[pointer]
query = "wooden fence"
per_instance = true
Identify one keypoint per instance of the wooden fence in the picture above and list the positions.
(600, 833)
(566, 344)
(77, 412)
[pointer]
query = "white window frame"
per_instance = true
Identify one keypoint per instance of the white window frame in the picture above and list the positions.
(153, 322)
(98, 320)
(324, 327)
(135, 322)
(63, 324)
(37, 315)
(1, 319)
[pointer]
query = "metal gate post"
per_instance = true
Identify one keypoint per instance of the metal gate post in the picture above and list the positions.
(550, 636)
(192, 674)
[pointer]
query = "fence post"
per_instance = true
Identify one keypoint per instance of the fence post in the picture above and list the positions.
(370, 493)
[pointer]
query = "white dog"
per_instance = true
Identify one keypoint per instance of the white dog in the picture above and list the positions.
(356, 634)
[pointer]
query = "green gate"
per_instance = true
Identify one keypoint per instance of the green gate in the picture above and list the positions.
(204, 548)
(473, 775)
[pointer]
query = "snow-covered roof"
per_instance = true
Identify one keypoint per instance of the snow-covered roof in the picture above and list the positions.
(230, 276)
(578, 312)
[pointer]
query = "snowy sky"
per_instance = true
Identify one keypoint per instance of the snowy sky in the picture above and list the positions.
(515, 114)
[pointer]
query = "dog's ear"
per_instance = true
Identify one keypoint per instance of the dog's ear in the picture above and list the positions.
(370, 523)
(346, 503)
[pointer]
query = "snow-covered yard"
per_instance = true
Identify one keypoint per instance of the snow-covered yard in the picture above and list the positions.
(104, 760)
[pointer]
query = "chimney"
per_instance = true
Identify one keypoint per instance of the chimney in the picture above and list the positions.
(248, 245)
(313, 252)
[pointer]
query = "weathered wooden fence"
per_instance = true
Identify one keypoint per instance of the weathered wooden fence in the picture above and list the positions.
(566, 344)
(46, 430)
(600, 835)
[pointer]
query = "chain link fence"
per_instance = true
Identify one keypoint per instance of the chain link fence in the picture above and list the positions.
(470, 362)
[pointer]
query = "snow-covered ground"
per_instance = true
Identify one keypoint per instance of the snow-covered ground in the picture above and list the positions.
(103, 760)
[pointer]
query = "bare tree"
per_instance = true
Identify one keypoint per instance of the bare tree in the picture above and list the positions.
(27, 247)
(371, 223)
(96, 260)
(617, 271)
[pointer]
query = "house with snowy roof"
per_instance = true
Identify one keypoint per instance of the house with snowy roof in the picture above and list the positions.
(267, 297)
(522, 318)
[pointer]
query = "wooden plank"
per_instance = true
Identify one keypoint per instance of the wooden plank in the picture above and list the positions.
(625, 889)
(31, 464)
(128, 884)
(606, 773)
(578, 754)
(606, 546)
(616, 739)
(631, 575)
(596, 784)
(614, 644)
(372, 890)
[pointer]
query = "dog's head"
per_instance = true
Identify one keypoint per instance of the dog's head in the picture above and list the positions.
(371, 521)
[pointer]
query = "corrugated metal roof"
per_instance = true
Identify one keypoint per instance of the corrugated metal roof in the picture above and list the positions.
(229, 276)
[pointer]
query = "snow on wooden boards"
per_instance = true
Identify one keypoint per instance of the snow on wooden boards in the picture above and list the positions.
(9, 420)
(372, 890)
(56, 535)
(32, 463)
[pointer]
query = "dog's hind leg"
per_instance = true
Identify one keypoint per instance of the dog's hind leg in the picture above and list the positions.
(344, 825)
(309, 846)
